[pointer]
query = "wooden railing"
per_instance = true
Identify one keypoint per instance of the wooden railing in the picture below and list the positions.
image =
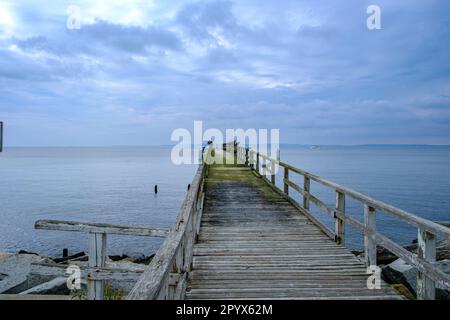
(166, 276)
(424, 261)
(97, 270)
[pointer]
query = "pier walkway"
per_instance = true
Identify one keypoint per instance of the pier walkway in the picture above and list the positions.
(254, 244)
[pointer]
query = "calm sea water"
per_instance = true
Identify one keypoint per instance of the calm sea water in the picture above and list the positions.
(115, 185)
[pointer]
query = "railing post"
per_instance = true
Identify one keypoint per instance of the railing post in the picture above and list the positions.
(97, 258)
(257, 162)
(263, 167)
(246, 156)
(1, 136)
(202, 155)
(426, 249)
(370, 247)
(272, 172)
(286, 177)
(306, 187)
(339, 224)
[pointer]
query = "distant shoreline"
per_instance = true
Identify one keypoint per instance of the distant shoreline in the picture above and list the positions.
(283, 145)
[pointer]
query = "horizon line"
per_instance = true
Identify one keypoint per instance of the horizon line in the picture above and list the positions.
(281, 144)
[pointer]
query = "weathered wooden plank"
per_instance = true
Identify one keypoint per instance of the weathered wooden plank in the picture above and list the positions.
(99, 228)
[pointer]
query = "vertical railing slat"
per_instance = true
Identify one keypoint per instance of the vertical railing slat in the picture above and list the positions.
(97, 258)
(340, 223)
(286, 177)
(370, 247)
(246, 156)
(257, 162)
(272, 172)
(426, 249)
(307, 188)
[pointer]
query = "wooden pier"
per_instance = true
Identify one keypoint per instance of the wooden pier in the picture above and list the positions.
(240, 236)
(254, 244)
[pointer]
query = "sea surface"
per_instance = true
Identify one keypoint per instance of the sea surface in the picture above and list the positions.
(116, 185)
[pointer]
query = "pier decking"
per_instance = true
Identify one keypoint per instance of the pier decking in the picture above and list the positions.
(253, 244)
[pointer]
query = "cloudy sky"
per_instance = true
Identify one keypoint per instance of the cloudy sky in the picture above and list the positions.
(137, 70)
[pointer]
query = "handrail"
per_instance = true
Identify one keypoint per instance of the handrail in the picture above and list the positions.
(428, 273)
(408, 217)
(99, 228)
(166, 275)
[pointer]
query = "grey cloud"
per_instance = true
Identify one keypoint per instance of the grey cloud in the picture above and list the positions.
(128, 38)
(198, 18)
(325, 78)
(101, 37)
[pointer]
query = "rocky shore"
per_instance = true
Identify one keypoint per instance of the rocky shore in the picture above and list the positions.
(402, 276)
(26, 273)
(20, 273)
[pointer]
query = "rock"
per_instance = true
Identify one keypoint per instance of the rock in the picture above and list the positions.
(5, 255)
(26, 252)
(136, 257)
(393, 276)
(442, 294)
(55, 286)
(15, 269)
(404, 291)
(82, 258)
(125, 265)
(398, 272)
(408, 272)
(75, 256)
(145, 260)
(442, 249)
(384, 256)
(118, 257)
(133, 255)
